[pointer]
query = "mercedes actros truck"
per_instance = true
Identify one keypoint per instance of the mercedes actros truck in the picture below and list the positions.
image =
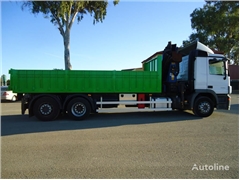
(188, 78)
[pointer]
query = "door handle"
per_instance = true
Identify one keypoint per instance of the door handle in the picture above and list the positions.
(210, 86)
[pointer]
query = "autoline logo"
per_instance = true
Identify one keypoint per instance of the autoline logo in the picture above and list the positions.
(214, 167)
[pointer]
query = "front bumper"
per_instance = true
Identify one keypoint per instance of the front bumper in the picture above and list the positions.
(224, 102)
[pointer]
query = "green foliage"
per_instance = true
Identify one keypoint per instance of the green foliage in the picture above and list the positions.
(63, 12)
(217, 25)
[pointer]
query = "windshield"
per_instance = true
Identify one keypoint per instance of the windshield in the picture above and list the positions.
(183, 69)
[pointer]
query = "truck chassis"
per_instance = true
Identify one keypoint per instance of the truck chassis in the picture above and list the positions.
(49, 106)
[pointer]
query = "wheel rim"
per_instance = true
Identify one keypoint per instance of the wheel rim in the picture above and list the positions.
(78, 109)
(46, 109)
(204, 107)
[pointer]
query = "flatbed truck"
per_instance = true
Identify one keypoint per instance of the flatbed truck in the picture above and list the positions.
(188, 78)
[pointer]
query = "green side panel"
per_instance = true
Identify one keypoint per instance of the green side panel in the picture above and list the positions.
(146, 66)
(154, 64)
(78, 81)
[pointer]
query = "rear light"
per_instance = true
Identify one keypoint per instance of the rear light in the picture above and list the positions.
(5, 94)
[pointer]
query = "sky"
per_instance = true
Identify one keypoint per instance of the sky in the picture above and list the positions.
(131, 32)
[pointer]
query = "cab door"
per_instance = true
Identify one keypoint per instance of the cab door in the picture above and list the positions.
(218, 80)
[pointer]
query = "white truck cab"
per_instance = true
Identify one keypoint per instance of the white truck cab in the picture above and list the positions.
(206, 74)
(210, 70)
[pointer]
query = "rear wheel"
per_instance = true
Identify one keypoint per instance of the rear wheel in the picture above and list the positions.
(78, 108)
(203, 107)
(46, 109)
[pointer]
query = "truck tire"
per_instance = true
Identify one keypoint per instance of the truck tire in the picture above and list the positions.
(203, 107)
(46, 109)
(78, 108)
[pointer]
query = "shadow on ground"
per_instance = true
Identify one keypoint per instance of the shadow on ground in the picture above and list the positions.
(21, 124)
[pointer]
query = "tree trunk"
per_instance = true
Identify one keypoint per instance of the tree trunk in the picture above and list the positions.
(66, 39)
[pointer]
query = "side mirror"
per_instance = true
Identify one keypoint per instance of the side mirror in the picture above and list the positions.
(225, 60)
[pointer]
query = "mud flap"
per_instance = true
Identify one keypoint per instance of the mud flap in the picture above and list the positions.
(24, 105)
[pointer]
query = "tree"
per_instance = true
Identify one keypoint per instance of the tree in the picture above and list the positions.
(63, 14)
(217, 25)
(3, 80)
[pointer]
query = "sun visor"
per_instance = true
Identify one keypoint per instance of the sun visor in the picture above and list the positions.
(192, 46)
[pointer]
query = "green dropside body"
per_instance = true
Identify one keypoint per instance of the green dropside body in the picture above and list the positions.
(87, 81)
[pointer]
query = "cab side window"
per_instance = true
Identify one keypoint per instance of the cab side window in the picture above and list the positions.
(216, 67)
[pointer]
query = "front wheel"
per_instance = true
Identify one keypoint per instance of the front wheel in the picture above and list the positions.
(203, 107)
(78, 108)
